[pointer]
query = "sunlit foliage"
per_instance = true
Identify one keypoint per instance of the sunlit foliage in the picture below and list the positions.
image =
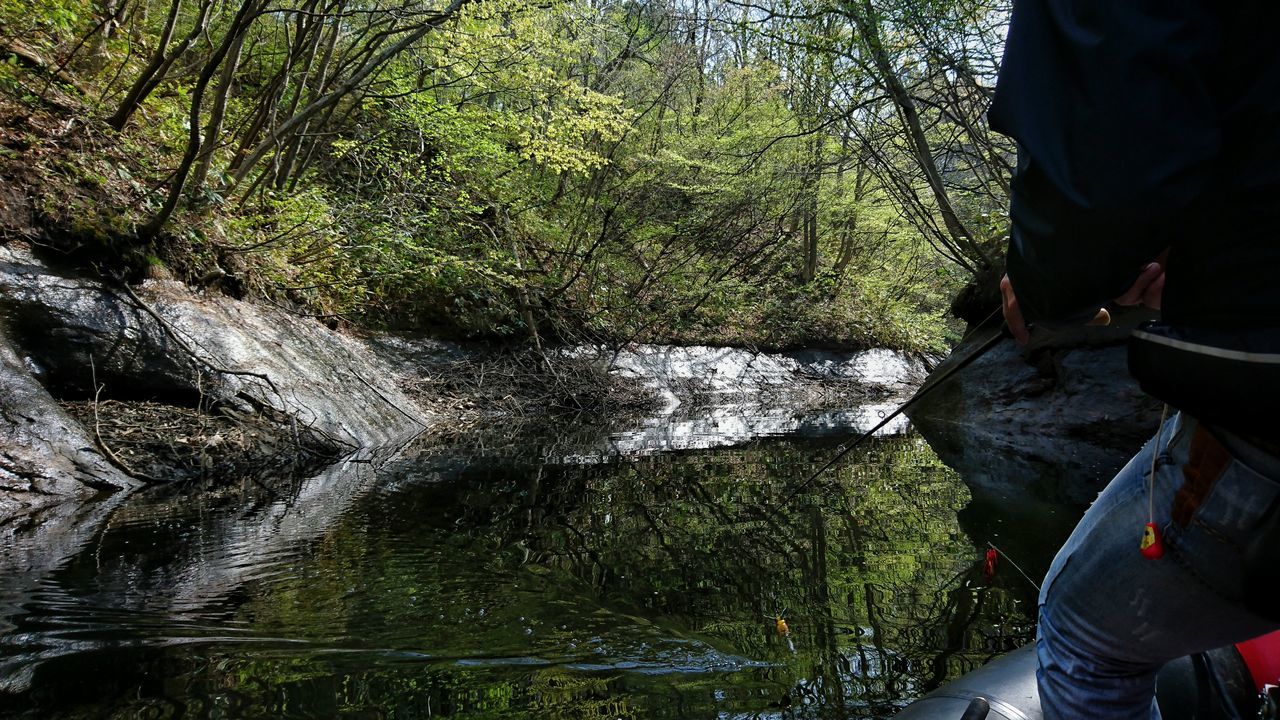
(792, 172)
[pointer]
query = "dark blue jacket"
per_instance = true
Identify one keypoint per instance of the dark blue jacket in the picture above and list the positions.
(1144, 125)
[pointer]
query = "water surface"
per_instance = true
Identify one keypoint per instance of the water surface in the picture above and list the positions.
(536, 576)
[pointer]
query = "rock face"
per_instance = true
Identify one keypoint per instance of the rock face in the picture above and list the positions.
(45, 456)
(1058, 423)
(728, 374)
(162, 341)
(715, 396)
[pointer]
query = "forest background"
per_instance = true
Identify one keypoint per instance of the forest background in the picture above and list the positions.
(765, 173)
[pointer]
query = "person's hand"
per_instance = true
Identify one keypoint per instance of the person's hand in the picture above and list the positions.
(1012, 313)
(1147, 290)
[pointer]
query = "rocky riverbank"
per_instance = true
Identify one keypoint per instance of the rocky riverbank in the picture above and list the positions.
(69, 344)
(106, 387)
(1053, 422)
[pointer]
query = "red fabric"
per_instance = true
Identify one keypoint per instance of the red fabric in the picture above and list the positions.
(1262, 656)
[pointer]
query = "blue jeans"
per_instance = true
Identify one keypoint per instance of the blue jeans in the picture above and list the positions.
(1110, 618)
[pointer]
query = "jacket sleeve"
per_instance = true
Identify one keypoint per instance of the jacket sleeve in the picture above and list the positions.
(1117, 131)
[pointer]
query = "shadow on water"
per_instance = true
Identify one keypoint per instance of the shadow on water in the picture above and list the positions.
(536, 577)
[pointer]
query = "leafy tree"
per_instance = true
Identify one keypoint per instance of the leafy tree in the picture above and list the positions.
(774, 173)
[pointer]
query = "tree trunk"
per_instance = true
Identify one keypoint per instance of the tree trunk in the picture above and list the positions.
(341, 91)
(849, 232)
(960, 237)
(811, 241)
(285, 164)
(216, 115)
(147, 82)
(239, 26)
(133, 98)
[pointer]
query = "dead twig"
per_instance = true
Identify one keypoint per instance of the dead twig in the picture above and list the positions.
(97, 432)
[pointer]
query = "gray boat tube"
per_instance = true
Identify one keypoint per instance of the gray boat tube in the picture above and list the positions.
(1213, 685)
(1006, 685)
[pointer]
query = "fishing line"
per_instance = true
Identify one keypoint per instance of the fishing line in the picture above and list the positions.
(928, 387)
(1015, 565)
(1152, 543)
(1155, 455)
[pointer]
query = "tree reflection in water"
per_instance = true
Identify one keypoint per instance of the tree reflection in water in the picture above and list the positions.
(516, 587)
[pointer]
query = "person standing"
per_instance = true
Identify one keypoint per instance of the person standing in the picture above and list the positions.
(1148, 173)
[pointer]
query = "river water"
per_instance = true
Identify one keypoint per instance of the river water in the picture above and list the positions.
(572, 573)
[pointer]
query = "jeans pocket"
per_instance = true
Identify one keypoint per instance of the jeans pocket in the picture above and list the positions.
(1211, 541)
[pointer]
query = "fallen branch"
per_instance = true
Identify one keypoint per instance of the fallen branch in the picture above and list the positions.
(185, 445)
(173, 333)
(31, 58)
(402, 411)
(97, 433)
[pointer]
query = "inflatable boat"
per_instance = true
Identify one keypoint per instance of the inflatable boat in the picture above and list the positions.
(1230, 683)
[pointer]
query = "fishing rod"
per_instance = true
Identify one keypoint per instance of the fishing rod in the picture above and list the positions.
(922, 392)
